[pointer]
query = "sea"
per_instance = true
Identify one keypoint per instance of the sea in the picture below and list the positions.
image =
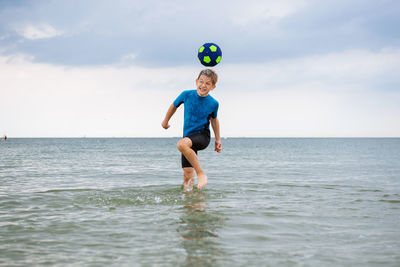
(268, 202)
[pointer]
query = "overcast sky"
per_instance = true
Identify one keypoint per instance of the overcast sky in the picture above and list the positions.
(304, 68)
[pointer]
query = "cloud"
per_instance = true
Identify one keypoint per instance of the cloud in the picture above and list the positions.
(45, 100)
(126, 59)
(353, 93)
(41, 31)
(3, 37)
(256, 12)
(357, 70)
(168, 34)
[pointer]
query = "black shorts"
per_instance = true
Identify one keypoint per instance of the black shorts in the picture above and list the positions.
(199, 142)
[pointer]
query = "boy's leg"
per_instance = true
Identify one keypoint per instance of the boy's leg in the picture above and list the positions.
(185, 147)
(188, 178)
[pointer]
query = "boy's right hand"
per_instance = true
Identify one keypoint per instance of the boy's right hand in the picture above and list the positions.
(165, 125)
(218, 146)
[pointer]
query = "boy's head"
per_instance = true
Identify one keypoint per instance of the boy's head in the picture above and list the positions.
(210, 74)
(206, 82)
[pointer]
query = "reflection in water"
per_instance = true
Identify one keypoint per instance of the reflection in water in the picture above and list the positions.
(199, 227)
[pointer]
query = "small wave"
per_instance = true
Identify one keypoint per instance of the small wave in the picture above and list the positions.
(391, 195)
(294, 185)
(117, 199)
(370, 190)
(68, 190)
(198, 234)
(393, 201)
(147, 195)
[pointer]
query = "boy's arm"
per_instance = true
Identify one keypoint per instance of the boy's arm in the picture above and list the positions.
(215, 126)
(168, 116)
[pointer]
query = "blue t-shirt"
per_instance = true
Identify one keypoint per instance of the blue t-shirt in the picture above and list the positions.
(198, 111)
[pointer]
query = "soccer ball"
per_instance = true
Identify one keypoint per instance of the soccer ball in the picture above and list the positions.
(209, 54)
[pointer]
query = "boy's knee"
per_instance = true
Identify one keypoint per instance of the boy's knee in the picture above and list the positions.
(184, 143)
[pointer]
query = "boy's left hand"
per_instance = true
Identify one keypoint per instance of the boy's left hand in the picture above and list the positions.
(165, 125)
(218, 146)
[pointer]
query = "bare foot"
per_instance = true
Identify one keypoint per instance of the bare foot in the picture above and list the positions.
(188, 186)
(202, 180)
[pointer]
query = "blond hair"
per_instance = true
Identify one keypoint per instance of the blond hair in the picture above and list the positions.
(210, 74)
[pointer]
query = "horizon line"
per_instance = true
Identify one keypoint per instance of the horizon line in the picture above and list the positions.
(155, 137)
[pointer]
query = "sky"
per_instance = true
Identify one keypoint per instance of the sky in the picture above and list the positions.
(298, 68)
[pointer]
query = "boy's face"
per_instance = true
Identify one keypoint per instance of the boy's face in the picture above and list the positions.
(204, 85)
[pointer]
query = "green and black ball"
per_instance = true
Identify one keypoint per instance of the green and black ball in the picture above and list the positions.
(209, 54)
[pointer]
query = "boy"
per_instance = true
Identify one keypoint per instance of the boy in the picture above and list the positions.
(200, 109)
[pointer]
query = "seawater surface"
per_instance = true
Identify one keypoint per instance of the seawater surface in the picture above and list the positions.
(269, 202)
